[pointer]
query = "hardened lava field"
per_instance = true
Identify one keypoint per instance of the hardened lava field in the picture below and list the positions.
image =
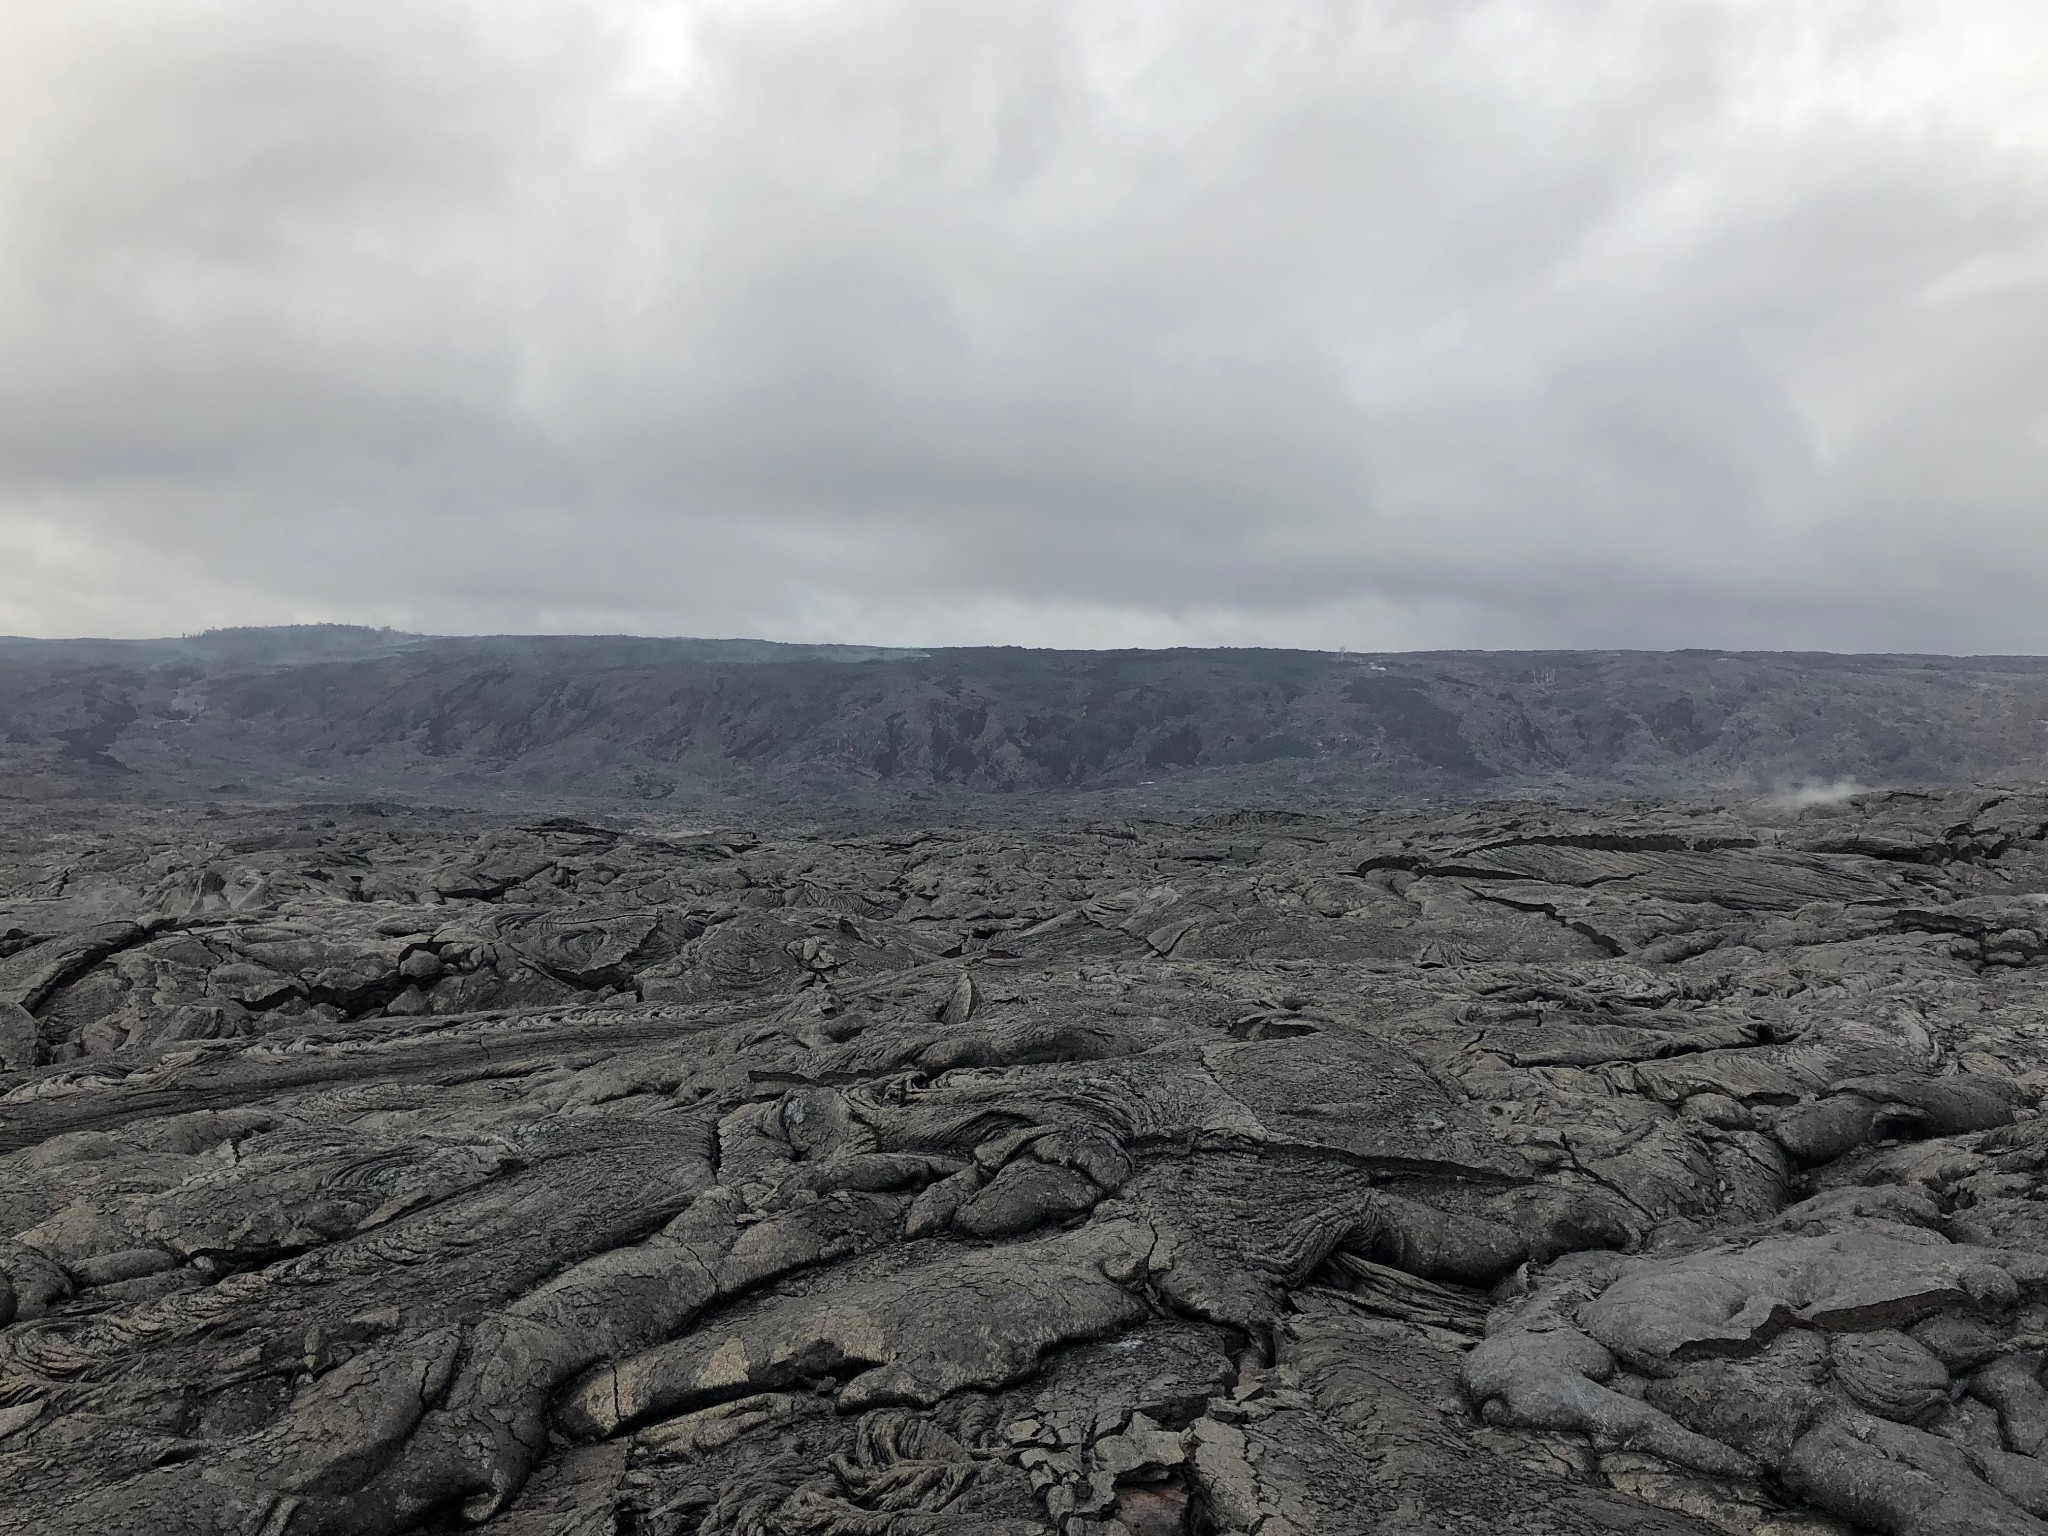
(1502, 1169)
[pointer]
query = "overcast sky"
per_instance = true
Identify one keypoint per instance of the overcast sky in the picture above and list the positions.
(1391, 324)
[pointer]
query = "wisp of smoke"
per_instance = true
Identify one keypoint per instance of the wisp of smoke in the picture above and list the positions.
(1813, 792)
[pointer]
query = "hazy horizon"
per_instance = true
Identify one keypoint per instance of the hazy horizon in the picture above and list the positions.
(914, 648)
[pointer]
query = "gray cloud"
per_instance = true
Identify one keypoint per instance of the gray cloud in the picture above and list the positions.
(1405, 322)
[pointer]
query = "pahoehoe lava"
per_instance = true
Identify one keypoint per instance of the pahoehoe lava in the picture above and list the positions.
(1511, 1168)
(1507, 1166)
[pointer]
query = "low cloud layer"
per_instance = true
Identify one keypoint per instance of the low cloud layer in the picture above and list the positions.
(1388, 324)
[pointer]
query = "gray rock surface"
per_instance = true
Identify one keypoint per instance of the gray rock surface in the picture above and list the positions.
(1509, 1168)
(326, 712)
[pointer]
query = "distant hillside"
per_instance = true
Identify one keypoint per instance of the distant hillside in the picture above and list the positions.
(331, 711)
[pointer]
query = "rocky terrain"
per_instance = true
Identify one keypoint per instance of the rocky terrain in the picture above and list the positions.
(1508, 1168)
(332, 713)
